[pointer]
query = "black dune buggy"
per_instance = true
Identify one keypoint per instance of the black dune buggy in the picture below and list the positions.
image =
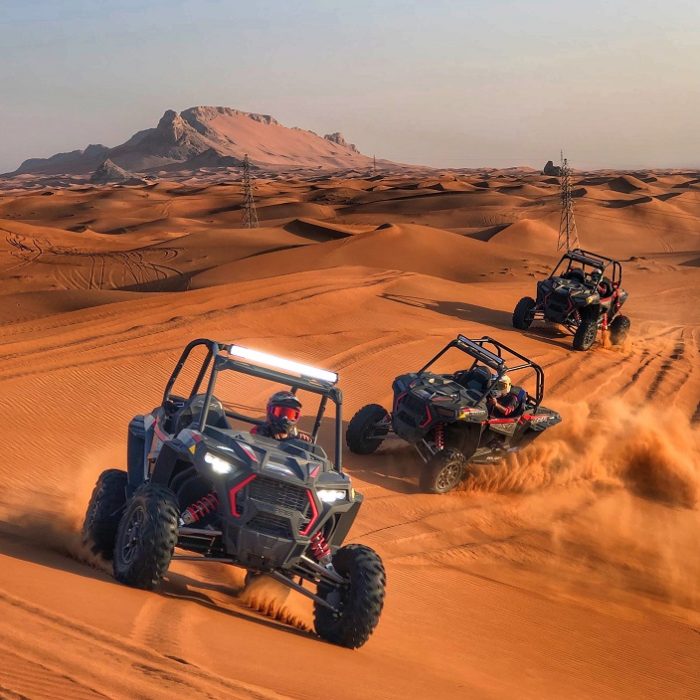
(446, 417)
(580, 296)
(283, 508)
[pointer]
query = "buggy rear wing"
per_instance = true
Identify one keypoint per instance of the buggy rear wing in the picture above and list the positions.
(295, 375)
(493, 359)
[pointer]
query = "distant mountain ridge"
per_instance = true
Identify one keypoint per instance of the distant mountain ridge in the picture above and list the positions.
(208, 137)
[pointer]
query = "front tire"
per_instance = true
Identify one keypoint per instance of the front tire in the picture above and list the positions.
(523, 313)
(104, 512)
(359, 602)
(146, 537)
(585, 335)
(619, 329)
(367, 429)
(444, 471)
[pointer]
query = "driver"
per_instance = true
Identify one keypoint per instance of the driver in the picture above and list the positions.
(595, 276)
(281, 416)
(502, 401)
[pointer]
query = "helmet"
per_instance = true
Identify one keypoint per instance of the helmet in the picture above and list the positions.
(503, 385)
(283, 411)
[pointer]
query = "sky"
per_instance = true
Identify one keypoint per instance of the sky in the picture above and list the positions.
(448, 83)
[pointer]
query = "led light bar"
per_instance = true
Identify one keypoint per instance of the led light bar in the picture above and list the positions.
(282, 363)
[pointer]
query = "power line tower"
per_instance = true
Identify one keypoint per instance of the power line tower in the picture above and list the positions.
(250, 214)
(568, 234)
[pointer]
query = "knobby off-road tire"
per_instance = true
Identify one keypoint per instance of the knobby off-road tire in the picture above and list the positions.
(522, 315)
(104, 512)
(585, 335)
(363, 435)
(359, 602)
(619, 329)
(443, 472)
(146, 537)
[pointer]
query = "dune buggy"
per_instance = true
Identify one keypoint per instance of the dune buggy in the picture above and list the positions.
(197, 488)
(581, 297)
(447, 417)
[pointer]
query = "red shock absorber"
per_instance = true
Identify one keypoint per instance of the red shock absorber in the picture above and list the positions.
(320, 548)
(439, 437)
(205, 505)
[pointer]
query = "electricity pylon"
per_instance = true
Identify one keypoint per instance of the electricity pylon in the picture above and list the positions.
(250, 214)
(568, 234)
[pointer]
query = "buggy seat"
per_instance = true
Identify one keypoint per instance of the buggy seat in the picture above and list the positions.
(216, 417)
(575, 274)
(477, 381)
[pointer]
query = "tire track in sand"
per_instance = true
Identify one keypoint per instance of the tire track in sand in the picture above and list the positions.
(64, 653)
(677, 354)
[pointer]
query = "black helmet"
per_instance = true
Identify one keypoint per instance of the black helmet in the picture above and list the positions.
(283, 411)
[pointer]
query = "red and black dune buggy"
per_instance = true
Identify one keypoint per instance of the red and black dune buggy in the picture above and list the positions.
(448, 417)
(580, 296)
(200, 485)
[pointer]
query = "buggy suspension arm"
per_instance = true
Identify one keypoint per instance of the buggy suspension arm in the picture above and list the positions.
(300, 589)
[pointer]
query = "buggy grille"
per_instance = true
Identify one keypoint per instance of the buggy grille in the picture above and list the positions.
(412, 403)
(279, 493)
(276, 505)
(559, 301)
(271, 525)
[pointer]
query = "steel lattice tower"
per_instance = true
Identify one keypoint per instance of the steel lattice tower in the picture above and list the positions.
(250, 214)
(568, 234)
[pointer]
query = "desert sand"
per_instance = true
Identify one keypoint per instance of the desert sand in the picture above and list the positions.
(572, 571)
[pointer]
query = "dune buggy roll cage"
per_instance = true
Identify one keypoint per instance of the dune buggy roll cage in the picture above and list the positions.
(475, 347)
(221, 353)
(585, 257)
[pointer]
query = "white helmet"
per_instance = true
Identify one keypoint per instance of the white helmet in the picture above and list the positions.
(503, 385)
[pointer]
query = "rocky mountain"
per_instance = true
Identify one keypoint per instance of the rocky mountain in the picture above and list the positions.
(551, 169)
(209, 137)
(109, 172)
(77, 162)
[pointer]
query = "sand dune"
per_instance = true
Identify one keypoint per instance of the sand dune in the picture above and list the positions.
(627, 184)
(568, 571)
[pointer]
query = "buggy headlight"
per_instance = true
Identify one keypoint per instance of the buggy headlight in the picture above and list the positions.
(331, 495)
(218, 465)
(590, 298)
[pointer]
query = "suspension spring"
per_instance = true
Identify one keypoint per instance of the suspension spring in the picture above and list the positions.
(320, 548)
(439, 437)
(205, 505)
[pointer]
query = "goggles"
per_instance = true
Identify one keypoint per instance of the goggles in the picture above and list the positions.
(285, 412)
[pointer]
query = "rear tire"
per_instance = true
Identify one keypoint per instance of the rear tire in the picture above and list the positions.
(360, 602)
(104, 512)
(443, 472)
(146, 537)
(523, 313)
(364, 434)
(619, 329)
(585, 335)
